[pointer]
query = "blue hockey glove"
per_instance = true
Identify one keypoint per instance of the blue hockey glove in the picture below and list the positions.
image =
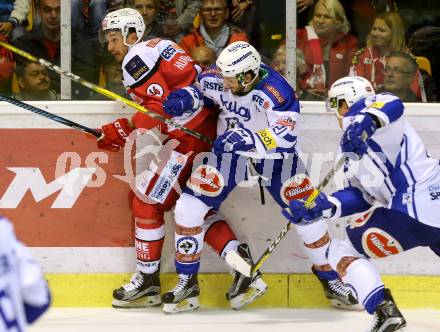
(301, 215)
(236, 139)
(181, 101)
(357, 133)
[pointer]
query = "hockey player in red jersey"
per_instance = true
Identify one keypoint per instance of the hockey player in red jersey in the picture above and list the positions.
(151, 70)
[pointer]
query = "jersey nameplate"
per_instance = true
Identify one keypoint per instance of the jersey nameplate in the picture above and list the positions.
(136, 67)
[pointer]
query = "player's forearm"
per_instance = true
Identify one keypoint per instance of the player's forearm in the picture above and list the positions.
(348, 201)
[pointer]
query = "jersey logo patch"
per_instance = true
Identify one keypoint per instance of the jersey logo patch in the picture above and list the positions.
(168, 177)
(153, 42)
(155, 90)
(297, 187)
(287, 122)
(169, 52)
(267, 138)
(136, 67)
(362, 220)
(378, 105)
(377, 243)
(206, 180)
(275, 92)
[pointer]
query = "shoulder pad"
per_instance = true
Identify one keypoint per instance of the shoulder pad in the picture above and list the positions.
(138, 62)
(276, 87)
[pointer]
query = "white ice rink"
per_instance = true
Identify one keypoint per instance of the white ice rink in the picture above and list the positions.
(210, 320)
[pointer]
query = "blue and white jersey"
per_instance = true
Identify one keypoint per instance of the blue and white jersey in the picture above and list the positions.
(397, 172)
(24, 294)
(270, 110)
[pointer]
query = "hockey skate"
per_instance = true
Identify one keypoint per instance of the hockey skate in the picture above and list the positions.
(184, 297)
(387, 317)
(142, 291)
(339, 294)
(245, 290)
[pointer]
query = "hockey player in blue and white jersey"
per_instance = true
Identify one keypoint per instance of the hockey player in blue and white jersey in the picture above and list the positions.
(258, 115)
(24, 295)
(393, 169)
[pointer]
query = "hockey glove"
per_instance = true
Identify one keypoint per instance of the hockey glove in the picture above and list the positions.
(355, 136)
(300, 215)
(115, 135)
(181, 101)
(236, 139)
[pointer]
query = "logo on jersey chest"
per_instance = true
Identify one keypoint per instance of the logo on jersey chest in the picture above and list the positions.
(136, 67)
(377, 243)
(434, 192)
(155, 90)
(232, 107)
(260, 102)
(212, 86)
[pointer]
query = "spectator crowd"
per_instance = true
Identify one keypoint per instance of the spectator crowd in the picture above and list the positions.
(373, 39)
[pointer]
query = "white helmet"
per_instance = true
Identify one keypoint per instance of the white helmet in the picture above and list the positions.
(124, 19)
(237, 59)
(350, 89)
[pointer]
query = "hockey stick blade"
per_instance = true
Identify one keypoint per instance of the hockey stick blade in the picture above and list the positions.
(237, 262)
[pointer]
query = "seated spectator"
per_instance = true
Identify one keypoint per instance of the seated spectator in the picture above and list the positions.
(33, 81)
(88, 13)
(43, 40)
(176, 17)
(13, 15)
(399, 73)
(149, 10)
(204, 56)
(6, 68)
(279, 64)
(113, 78)
(387, 35)
(327, 47)
(213, 31)
(113, 5)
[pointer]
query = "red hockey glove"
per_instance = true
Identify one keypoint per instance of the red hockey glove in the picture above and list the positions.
(115, 135)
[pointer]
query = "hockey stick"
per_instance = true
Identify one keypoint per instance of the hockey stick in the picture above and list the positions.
(239, 264)
(103, 91)
(50, 116)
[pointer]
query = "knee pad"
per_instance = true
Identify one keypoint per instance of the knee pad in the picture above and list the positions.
(339, 249)
(312, 232)
(145, 211)
(190, 211)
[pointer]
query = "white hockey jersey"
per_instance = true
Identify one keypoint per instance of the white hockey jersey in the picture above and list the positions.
(397, 172)
(24, 294)
(270, 110)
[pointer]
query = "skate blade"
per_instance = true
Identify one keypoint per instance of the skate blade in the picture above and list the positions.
(143, 302)
(341, 305)
(189, 304)
(393, 324)
(256, 289)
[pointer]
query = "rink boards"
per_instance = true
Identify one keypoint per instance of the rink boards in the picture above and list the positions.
(68, 205)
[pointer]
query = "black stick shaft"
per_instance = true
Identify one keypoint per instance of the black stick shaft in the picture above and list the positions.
(50, 116)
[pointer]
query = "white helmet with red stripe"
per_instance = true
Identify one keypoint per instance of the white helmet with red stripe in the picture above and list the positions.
(124, 20)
